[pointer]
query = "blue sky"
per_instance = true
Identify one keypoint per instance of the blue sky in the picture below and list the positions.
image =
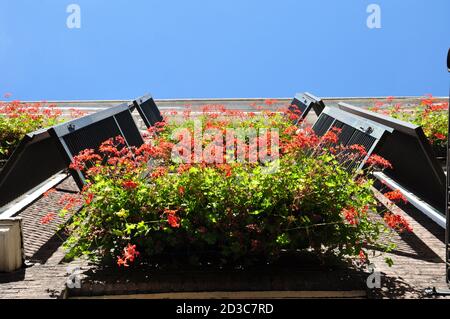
(233, 48)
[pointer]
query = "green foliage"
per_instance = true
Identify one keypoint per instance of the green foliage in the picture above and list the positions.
(16, 120)
(237, 212)
(430, 115)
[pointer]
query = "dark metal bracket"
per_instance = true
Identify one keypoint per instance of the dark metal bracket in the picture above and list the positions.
(434, 291)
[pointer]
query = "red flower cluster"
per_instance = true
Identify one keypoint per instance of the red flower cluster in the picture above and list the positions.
(290, 130)
(172, 218)
(439, 107)
(47, 218)
(31, 111)
(226, 168)
(74, 113)
(108, 147)
(428, 100)
(396, 196)
(89, 198)
(304, 139)
(362, 256)
(208, 108)
(359, 149)
(270, 101)
(183, 168)
(440, 136)
(397, 222)
(129, 255)
(330, 137)
(378, 161)
(350, 215)
(83, 158)
(49, 192)
(69, 201)
(293, 114)
(158, 172)
(129, 185)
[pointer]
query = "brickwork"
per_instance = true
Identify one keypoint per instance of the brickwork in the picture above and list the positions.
(419, 259)
(45, 275)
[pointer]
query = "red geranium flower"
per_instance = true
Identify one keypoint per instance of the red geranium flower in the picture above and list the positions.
(362, 256)
(173, 221)
(50, 191)
(440, 136)
(270, 101)
(397, 222)
(359, 149)
(47, 218)
(396, 196)
(129, 185)
(330, 137)
(350, 215)
(84, 157)
(172, 218)
(129, 255)
(130, 252)
(69, 201)
(158, 172)
(376, 160)
(89, 198)
(122, 262)
(439, 107)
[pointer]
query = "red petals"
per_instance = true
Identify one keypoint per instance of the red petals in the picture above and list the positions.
(378, 161)
(303, 140)
(158, 172)
(226, 168)
(69, 201)
(270, 101)
(396, 196)
(358, 148)
(129, 255)
(330, 137)
(84, 158)
(172, 219)
(362, 256)
(129, 185)
(440, 136)
(121, 262)
(89, 198)
(397, 222)
(350, 215)
(47, 218)
(49, 192)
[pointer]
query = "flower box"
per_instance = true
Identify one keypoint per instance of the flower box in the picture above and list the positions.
(276, 189)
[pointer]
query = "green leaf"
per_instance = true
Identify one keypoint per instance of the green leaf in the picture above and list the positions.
(389, 261)
(283, 239)
(117, 233)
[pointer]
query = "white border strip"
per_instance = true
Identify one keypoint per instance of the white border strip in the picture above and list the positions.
(25, 200)
(425, 208)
